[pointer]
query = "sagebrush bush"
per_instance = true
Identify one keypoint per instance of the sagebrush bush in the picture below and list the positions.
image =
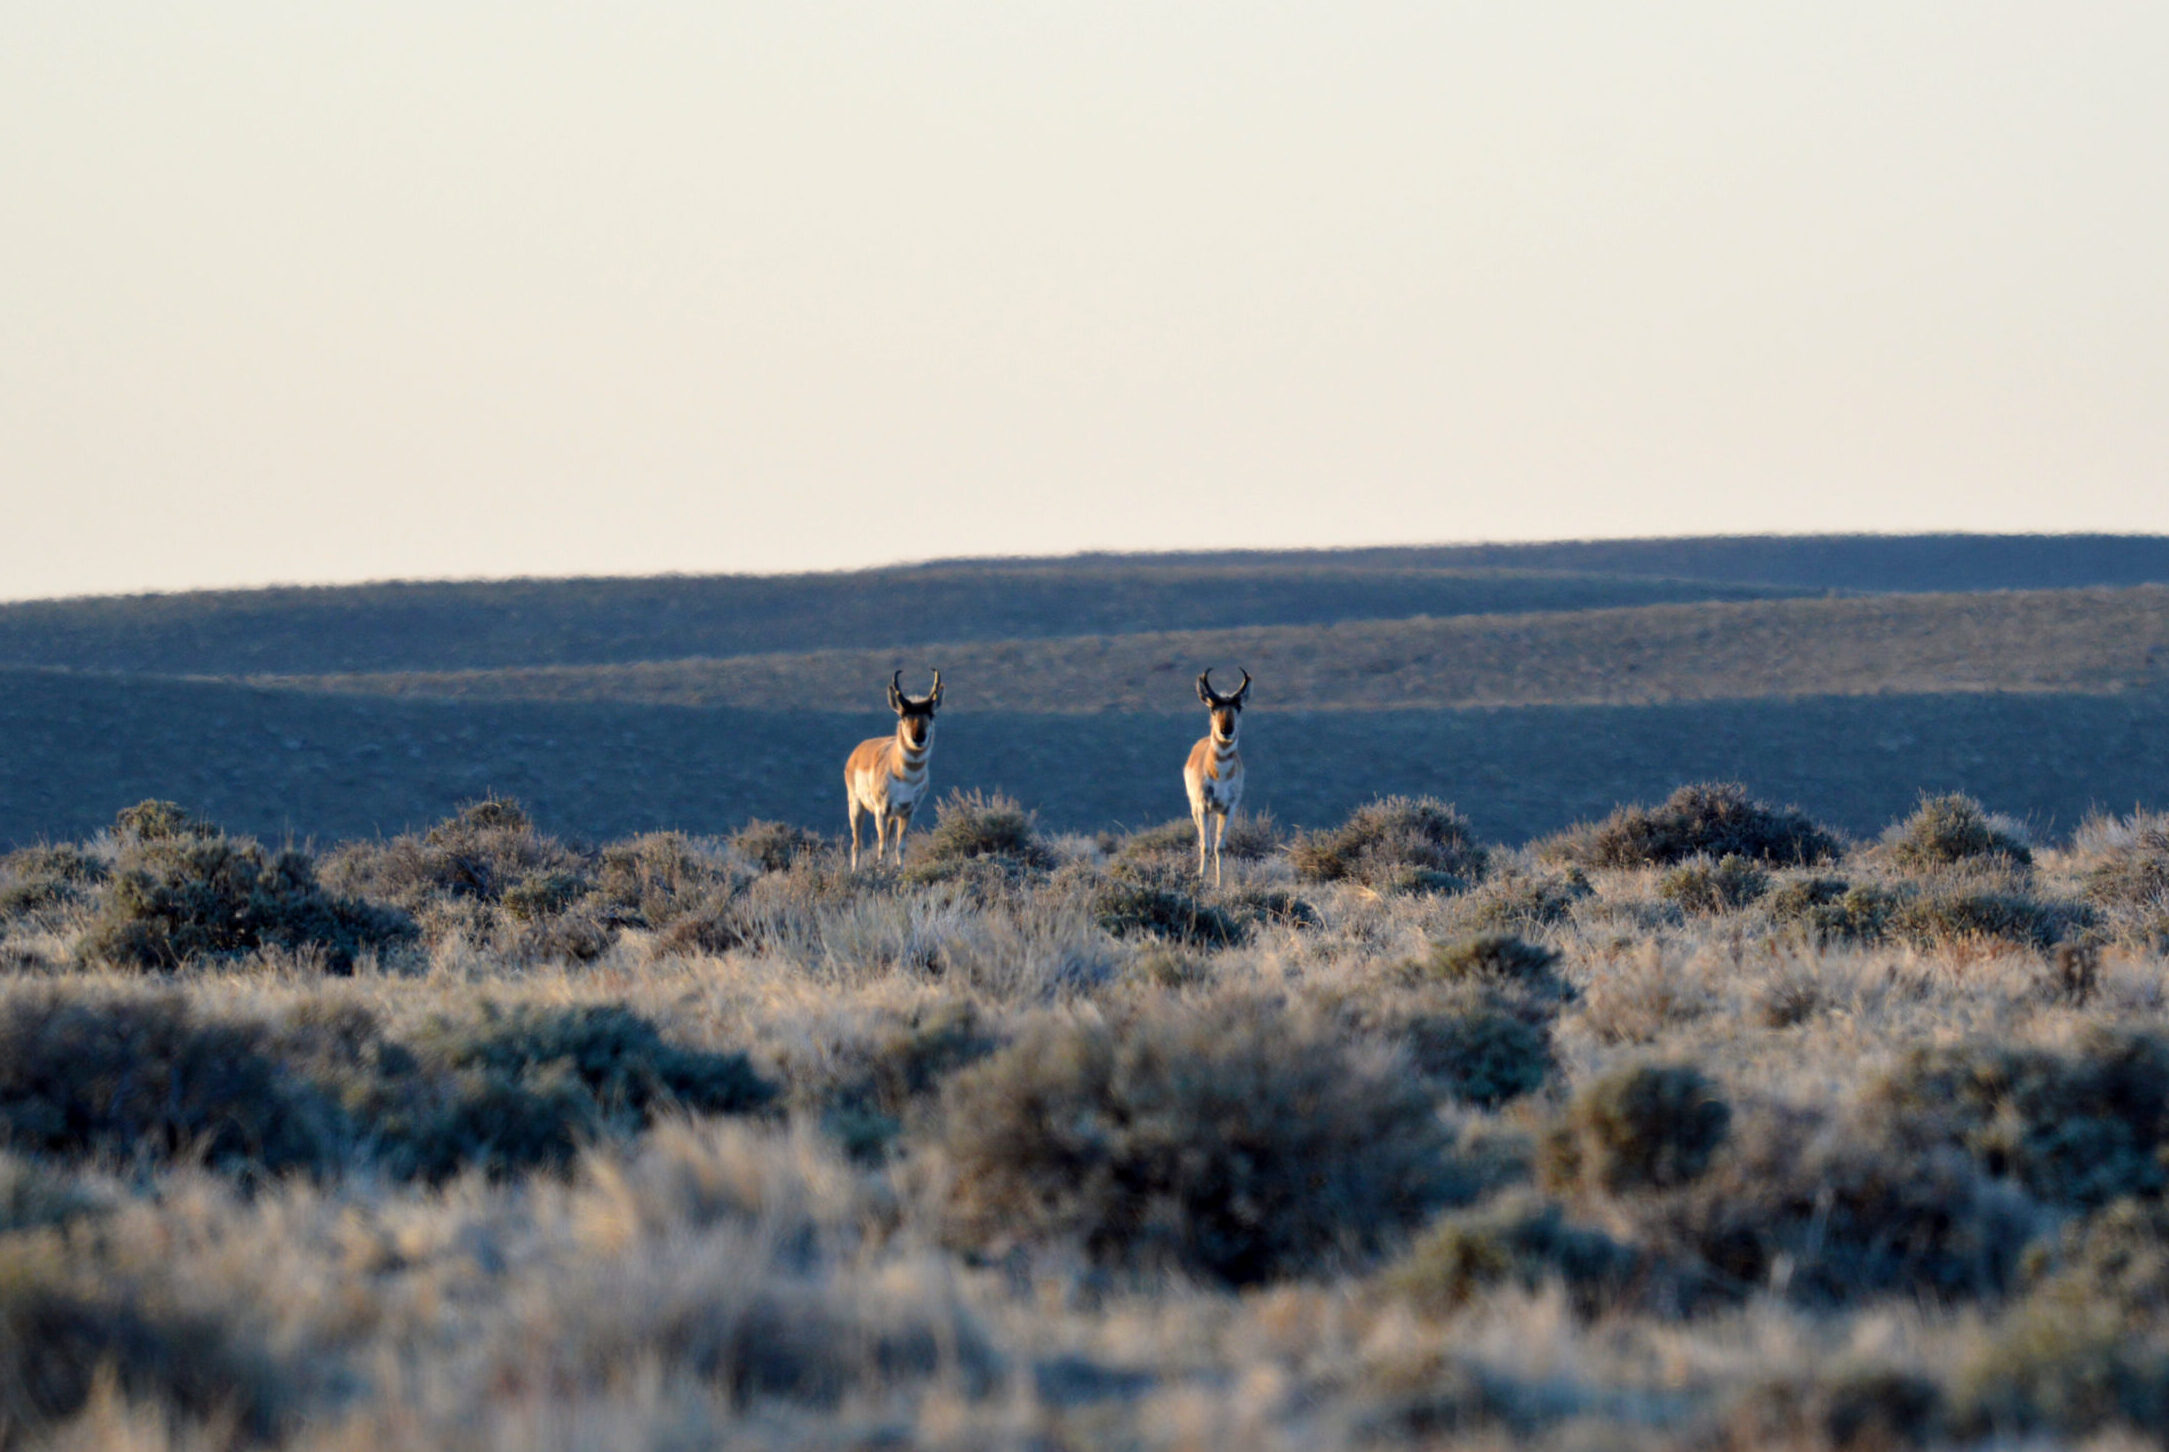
(1395, 844)
(181, 897)
(900, 1068)
(1132, 909)
(2128, 860)
(971, 827)
(1236, 1139)
(1517, 1239)
(619, 1057)
(63, 1326)
(1480, 1054)
(542, 895)
(1708, 819)
(1700, 885)
(2082, 1127)
(1500, 959)
(655, 879)
(774, 846)
(1950, 830)
(1521, 903)
(1933, 919)
(131, 1076)
(2115, 1259)
(1639, 1126)
(487, 848)
(1831, 909)
(152, 820)
(35, 878)
(1828, 1213)
(512, 1089)
(1273, 906)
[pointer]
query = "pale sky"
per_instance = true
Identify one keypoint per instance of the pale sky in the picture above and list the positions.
(323, 291)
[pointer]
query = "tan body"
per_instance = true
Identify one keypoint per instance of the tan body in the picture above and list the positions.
(1214, 779)
(886, 776)
(1214, 774)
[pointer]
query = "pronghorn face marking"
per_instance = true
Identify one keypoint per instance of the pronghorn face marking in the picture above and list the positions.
(914, 715)
(1226, 710)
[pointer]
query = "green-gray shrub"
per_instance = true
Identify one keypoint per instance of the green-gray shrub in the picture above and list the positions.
(1707, 819)
(178, 898)
(1639, 1126)
(1945, 831)
(63, 1326)
(1700, 885)
(124, 1077)
(1235, 1139)
(1501, 960)
(1481, 1054)
(35, 878)
(487, 848)
(2080, 1128)
(1131, 909)
(1395, 844)
(900, 1069)
(976, 827)
(1517, 1239)
(774, 846)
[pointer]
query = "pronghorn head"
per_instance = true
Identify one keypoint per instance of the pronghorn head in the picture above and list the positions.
(914, 715)
(1226, 710)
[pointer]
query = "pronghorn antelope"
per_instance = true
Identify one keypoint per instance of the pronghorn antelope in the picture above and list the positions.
(886, 775)
(1214, 775)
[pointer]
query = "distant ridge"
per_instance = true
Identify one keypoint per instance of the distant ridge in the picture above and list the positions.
(488, 624)
(2089, 641)
(1875, 563)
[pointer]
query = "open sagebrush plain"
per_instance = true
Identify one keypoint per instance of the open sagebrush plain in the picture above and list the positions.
(1698, 1126)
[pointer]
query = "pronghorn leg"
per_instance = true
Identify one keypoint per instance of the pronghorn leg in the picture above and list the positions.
(1220, 835)
(903, 821)
(881, 833)
(857, 812)
(1200, 817)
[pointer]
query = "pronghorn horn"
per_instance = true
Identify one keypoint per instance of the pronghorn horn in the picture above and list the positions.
(1243, 689)
(896, 692)
(933, 697)
(1205, 687)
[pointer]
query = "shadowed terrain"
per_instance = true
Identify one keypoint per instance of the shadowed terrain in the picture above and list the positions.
(1495, 677)
(2043, 640)
(284, 762)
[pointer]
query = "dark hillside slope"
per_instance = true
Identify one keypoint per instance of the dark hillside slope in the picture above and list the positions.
(2039, 640)
(482, 625)
(1855, 562)
(73, 749)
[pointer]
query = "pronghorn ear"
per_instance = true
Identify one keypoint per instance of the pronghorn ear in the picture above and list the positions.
(896, 693)
(1204, 691)
(933, 697)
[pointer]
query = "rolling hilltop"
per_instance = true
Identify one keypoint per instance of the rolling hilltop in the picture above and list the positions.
(2037, 640)
(1533, 685)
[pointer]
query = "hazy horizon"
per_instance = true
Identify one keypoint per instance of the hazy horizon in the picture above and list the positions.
(479, 291)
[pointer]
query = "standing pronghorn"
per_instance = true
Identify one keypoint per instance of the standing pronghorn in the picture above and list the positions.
(1214, 775)
(886, 775)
